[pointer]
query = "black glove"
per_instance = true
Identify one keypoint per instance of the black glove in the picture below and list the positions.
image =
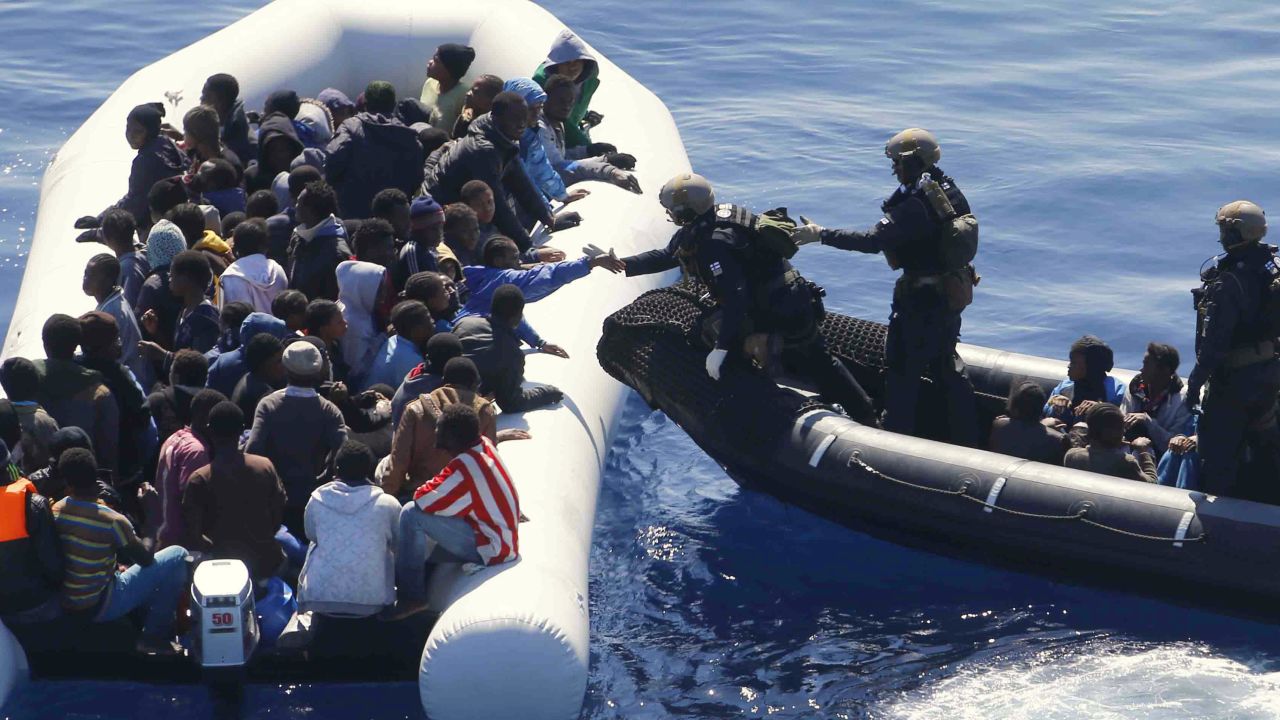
(566, 220)
(87, 222)
(626, 161)
(93, 235)
(592, 119)
(254, 117)
(597, 149)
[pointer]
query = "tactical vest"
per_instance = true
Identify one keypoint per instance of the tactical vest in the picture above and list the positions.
(1264, 324)
(952, 242)
(13, 510)
(763, 252)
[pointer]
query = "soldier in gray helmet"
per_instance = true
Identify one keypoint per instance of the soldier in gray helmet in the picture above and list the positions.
(742, 260)
(1238, 321)
(930, 234)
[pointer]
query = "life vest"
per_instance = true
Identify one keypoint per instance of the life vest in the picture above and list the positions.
(13, 510)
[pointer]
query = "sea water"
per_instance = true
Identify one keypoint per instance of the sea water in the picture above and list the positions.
(1095, 140)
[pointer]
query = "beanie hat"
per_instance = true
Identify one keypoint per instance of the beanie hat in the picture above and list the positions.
(335, 99)
(163, 242)
(282, 101)
(98, 330)
(456, 58)
(424, 206)
(302, 358)
(525, 88)
(148, 115)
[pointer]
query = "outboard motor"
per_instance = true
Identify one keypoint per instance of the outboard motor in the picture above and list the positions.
(225, 627)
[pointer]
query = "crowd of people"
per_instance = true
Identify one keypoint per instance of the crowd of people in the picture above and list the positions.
(306, 321)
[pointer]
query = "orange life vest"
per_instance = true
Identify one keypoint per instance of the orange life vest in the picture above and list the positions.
(13, 510)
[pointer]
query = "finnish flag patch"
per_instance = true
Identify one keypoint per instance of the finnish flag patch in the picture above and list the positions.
(716, 269)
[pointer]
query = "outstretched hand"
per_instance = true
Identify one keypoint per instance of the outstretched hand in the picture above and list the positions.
(807, 233)
(609, 262)
(553, 349)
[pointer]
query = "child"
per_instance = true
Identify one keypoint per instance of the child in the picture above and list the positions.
(1106, 453)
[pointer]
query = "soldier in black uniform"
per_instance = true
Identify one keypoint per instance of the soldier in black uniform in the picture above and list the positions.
(755, 289)
(1236, 354)
(930, 234)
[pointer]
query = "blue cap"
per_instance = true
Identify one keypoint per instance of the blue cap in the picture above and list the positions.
(425, 205)
(525, 88)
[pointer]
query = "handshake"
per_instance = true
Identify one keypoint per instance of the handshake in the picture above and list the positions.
(807, 233)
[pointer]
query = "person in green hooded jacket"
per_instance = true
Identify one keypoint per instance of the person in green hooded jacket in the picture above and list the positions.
(570, 57)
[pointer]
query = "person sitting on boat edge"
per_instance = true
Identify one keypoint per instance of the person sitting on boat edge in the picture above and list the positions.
(92, 534)
(1087, 382)
(570, 57)
(20, 381)
(1021, 434)
(753, 286)
(1237, 324)
(353, 529)
(30, 554)
(1155, 400)
(533, 155)
(74, 395)
(444, 93)
(402, 351)
(492, 343)
(373, 151)
(233, 506)
(575, 164)
(452, 511)
(426, 376)
(222, 93)
(1106, 453)
(929, 232)
(298, 431)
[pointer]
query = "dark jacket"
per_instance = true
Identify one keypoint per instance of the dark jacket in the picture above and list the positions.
(31, 566)
(198, 330)
(314, 255)
(137, 428)
(235, 133)
(910, 230)
(74, 395)
(231, 508)
(1027, 440)
(486, 154)
(300, 436)
(276, 125)
(368, 154)
(155, 295)
(171, 409)
(280, 231)
(1230, 307)
(160, 158)
(744, 284)
(496, 351)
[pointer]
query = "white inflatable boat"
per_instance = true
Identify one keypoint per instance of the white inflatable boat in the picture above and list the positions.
(512, 641)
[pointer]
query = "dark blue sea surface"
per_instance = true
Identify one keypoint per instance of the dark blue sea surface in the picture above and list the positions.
(1095, 141)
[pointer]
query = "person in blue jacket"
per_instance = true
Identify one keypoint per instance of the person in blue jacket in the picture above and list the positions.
(533, 154)
(1087, 382)
(502, 267)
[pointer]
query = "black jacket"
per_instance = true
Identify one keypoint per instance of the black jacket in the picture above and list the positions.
(370, 153)
(155, 295)
(486, 154)
(135, 414)
(273, 126)
(235, 133)
(1230, 307)
(314, 255)
(31, 566)
(160, 158)
(498, 356)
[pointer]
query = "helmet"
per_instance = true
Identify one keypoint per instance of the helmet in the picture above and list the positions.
(1247, 219)
(914, 142)
(686, 196)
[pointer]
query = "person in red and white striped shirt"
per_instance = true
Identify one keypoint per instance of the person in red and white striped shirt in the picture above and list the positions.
(470, 510)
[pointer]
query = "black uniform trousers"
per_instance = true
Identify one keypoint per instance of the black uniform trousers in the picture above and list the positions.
(1239, 414)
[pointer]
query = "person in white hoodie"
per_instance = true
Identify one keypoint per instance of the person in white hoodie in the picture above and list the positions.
(361, 290)
(353, 527)
(253, 278)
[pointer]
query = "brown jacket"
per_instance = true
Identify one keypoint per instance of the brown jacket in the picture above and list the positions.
(1112, 461)
(232, 509)
(415, 458)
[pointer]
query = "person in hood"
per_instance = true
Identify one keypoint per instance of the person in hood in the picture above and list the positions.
(340, 106)
(158, 157)
(577, 164)
(233, 506)
(280, 225)
(171, 404)
(298, 430)
(570, 57)
(75, 395)
(264, 356)
(444, 93)
(100, 276)
(478, 101)
(253, 278)
(227, 370)
(491, 153)
(21, 383)
(360, 292)
(314, 124)
(532, 153)
(278, 145)
(222, 93)
(100, 343)
(218, 186)
(353, 526)
(372, 151)
(425, 376)
(1087, 382)
(319, 243)
(1155, 400)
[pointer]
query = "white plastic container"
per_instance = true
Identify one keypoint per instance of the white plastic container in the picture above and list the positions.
(226, 629)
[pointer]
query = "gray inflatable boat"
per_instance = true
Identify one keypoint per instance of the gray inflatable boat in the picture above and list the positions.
(1070, 524)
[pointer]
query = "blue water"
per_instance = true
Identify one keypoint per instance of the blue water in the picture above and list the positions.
(1095, 142)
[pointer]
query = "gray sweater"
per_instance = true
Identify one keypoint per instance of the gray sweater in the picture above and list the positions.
(300, 436)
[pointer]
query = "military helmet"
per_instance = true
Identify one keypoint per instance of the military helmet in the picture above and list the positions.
(914, 142)
(1249, 220)
(686, 196)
